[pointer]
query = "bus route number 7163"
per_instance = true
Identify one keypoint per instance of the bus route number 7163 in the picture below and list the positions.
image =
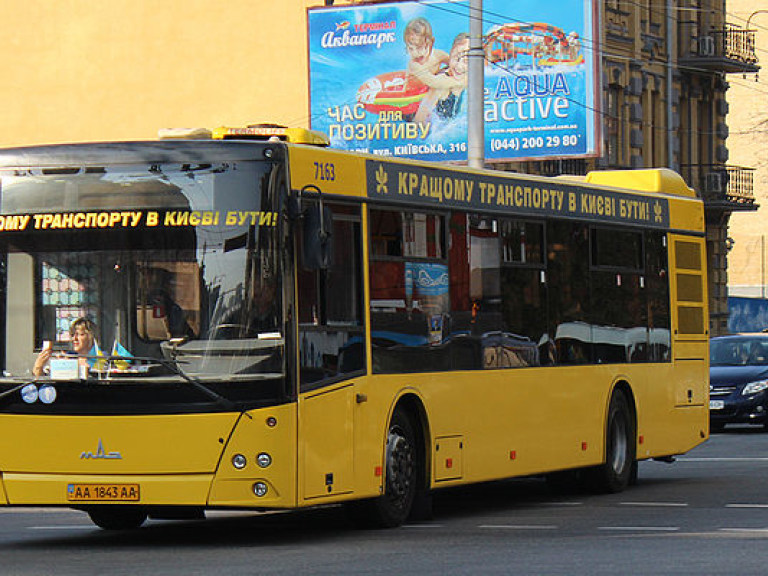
(325, 171)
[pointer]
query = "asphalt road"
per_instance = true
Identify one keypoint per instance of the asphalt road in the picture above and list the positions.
(706, 514)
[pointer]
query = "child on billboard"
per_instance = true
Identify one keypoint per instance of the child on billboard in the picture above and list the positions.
(446, 101)
(431, 66)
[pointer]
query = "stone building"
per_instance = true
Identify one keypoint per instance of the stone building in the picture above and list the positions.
(748, 145)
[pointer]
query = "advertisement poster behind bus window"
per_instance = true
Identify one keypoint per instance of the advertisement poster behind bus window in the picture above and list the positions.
(391, 79)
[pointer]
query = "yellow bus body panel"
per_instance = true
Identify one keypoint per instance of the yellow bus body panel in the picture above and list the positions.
(309, 166)
(513, 424)
(174, 459)
(168, 444)
(686, 214)
(327, 442)
(252, 436)
(174, 456)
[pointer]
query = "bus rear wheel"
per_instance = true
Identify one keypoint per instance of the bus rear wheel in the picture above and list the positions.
(616, 473)
(118, 517)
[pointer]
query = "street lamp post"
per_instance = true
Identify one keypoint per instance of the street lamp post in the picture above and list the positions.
(750, 40)
(753, 14)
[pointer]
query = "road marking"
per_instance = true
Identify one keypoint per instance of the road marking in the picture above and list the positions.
(70, 527)
(640, 528)
(519, 526)
(721, 459)
(656, 504)
(746, 505)
(758, 530)
(30, 510)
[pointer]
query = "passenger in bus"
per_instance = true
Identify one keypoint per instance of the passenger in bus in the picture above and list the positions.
(83, 341)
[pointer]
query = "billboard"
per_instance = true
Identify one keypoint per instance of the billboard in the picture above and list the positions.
(390, 79)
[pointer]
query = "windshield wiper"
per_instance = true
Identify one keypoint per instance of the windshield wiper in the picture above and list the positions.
(173, 367)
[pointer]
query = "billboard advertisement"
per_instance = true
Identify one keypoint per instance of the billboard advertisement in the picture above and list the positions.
(390, 79)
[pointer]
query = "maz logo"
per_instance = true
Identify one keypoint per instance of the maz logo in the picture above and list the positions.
(101, 454)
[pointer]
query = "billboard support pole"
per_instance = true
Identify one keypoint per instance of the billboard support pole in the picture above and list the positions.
(670, 85)
(476, 83)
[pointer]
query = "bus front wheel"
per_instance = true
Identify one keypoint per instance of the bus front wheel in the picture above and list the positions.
(401, 461)
(616, 473)
(118, 517)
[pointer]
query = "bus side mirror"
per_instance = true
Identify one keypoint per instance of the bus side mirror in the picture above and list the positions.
(317, 237)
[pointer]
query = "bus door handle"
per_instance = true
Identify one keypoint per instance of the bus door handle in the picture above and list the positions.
(360, 398)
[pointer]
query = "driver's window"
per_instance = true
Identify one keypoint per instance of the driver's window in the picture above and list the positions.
(168, 300)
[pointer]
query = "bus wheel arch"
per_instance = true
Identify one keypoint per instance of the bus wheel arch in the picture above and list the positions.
(405, 479)
(413, 406)
(619, 468)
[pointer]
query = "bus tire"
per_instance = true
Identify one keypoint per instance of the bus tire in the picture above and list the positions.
(401, 474)
(615, 474)
(118, 517)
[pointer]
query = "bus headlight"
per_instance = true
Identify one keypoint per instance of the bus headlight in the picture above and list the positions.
(260, 489)
(263, 460)
(239, 461)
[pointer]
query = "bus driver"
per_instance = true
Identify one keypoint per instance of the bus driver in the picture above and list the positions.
(83, 340)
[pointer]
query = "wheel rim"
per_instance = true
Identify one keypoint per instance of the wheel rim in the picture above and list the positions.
(399, 466)
(619, 445)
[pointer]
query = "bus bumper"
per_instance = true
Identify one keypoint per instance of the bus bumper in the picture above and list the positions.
(83, 490)
(197, 490)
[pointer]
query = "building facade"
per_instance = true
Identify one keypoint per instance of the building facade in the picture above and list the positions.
(79, 71)
(748, 145)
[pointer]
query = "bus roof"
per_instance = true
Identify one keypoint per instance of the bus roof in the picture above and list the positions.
(105, 153)
(656, 198)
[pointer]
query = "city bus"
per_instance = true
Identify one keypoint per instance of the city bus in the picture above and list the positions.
(278, 325)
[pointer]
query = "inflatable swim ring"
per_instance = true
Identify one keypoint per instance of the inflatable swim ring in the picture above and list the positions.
(556, 62)
(393, 91)
(542, 44)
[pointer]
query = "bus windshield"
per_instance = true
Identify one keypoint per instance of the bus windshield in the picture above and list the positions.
(175, 267)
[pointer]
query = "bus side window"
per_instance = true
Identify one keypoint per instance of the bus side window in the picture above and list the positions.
(331, 336)
(410, 292)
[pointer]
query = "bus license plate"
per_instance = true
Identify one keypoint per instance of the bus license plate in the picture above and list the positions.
(716, 404)
(103, 492)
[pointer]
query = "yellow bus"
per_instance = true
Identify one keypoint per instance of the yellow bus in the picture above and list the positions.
(277, 325)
